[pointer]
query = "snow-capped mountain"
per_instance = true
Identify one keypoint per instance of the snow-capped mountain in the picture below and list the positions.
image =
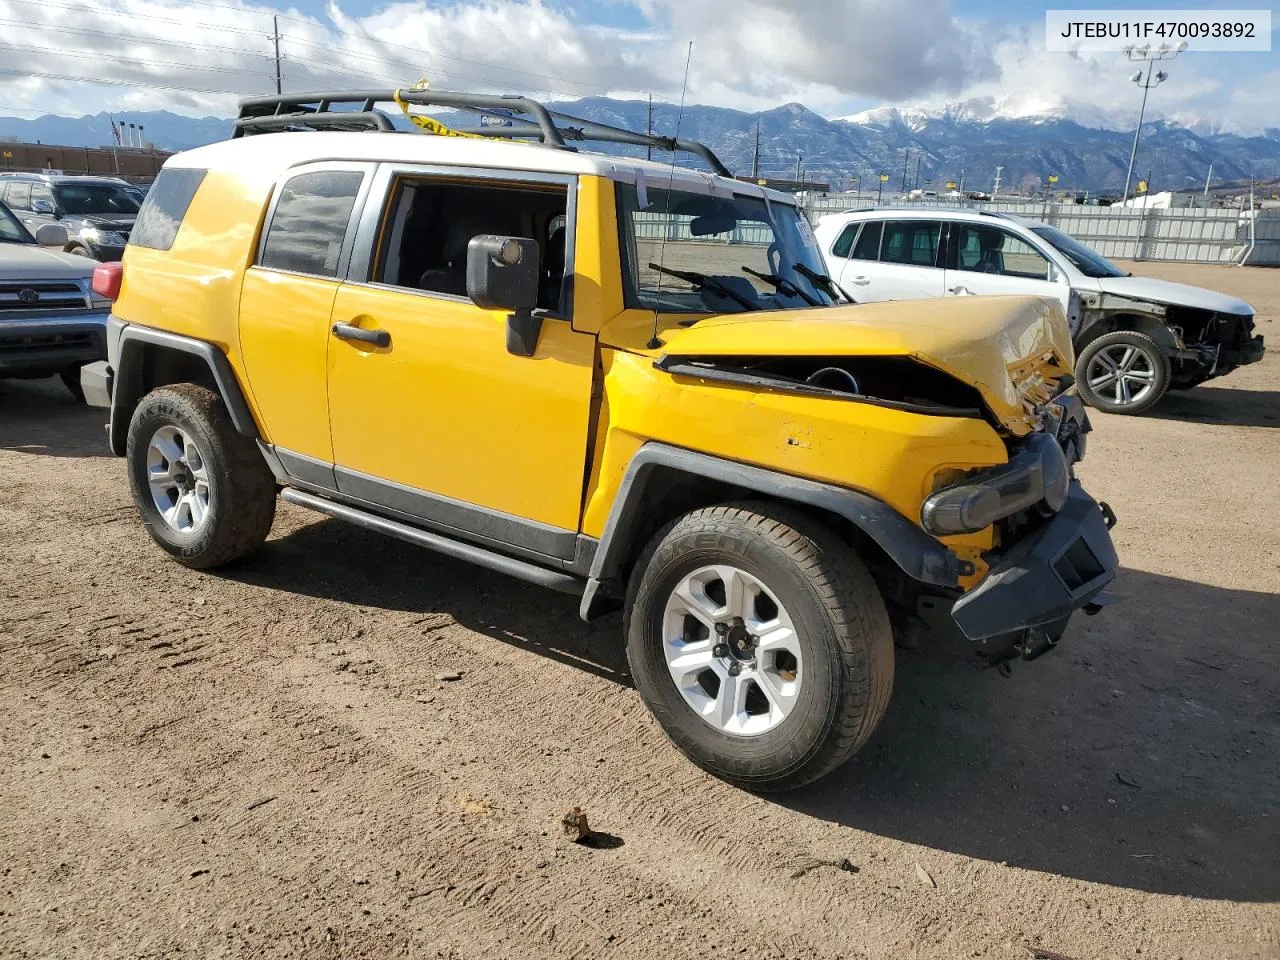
(1034, 107)
(1087, 148)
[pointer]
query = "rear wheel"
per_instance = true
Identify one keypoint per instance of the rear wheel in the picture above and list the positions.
(203, 490)
(760, 643)
(1122, 372)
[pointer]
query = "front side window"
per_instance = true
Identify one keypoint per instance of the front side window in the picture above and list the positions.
(1087, 260)
(696, 253)
(868, 246)
(844, 242)
(166, 204)
(310, 222)
(429, 224)
(11, 230)
(95, 200)
(982, 249)
(911, 242)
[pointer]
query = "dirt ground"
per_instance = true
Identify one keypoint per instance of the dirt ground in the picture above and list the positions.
(262, 763)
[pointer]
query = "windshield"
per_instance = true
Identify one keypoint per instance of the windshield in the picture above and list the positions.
(1089, 262)
(95, 199)
(11, 231)
(695, 253)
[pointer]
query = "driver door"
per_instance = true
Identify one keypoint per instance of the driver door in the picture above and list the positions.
(441, 423)
(985, 259)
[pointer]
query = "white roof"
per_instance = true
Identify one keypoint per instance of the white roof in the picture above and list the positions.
(964, 214)
(283, 150)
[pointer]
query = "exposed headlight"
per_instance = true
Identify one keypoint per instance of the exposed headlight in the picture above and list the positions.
(108, 238)
(1037, 476)
(962, 509)
(1055, 474)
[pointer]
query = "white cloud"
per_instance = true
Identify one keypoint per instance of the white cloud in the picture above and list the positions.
(1095, 88)
(832, 55)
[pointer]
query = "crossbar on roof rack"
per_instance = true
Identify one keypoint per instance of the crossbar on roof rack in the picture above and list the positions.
(354, 110)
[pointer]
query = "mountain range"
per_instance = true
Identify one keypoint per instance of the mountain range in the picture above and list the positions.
(959, 141)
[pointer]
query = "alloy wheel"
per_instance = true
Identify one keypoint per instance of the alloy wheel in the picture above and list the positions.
(178, 479)
(1121, 373)
(732, 650)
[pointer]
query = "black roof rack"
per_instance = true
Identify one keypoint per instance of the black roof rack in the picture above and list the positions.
(355, 110)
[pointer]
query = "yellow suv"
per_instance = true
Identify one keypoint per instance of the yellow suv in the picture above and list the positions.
(628, 381)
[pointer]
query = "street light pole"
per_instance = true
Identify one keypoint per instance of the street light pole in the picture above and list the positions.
(1145, 54)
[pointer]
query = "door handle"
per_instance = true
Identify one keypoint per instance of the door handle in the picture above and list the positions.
(861, 281)
(961, 291)
(347, 331)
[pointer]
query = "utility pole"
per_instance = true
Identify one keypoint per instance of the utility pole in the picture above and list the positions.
(649, 149)
(1144, 54)
(799, 157)
(1208, 177)
(905, 160)
(961, 183)
(275, 31)
(755, 157)
(918, 159)
(996, 189)
(880, 192)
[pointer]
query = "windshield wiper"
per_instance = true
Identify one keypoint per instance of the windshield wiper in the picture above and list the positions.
(782, 285)
(700, 280)
(834, 290)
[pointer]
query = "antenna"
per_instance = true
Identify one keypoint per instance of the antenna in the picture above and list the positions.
(654, 343)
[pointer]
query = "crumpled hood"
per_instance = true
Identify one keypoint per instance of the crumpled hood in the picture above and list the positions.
(1174, 294)
(26, 261)
(1006, 347)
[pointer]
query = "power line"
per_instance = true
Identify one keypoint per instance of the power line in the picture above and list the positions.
(123, 59)
(125, 83)
(46, 4)
(124, 36)
(428, 53)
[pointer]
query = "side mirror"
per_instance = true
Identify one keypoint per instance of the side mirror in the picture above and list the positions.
(44, 207)
(502, 274)
(52, 235)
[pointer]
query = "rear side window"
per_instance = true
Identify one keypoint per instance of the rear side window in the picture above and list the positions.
(162, 212)
(17, 196)
(310, 222)
(913, 242)
(868, 247)
(845, 241)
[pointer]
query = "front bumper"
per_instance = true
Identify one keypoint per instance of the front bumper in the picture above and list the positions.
(45, 344)
(1044, 577)
(1252, 351)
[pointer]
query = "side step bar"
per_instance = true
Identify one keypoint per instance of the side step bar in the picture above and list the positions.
(553, 579)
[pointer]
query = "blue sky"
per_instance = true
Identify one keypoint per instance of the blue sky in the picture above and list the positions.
(837, 57)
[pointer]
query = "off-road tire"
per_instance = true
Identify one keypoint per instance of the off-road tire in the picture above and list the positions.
(1131, 338)
(71, 380)
(840, 620)
(242, 502)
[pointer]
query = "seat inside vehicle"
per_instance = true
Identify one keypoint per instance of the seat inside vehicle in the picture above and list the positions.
(433, 221)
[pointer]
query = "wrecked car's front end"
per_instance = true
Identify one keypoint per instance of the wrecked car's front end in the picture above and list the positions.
(959, 418)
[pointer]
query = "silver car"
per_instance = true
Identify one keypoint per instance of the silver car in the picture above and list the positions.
(51, 321)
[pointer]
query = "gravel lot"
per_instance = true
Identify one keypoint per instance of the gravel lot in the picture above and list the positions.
(262, 763)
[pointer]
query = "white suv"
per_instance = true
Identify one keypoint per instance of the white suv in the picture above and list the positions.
(1135, 337)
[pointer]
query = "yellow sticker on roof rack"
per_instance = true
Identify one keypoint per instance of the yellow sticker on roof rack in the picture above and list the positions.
(431, 124)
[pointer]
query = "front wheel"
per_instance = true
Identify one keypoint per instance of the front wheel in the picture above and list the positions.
(203, 490)
(760, 643)
(1122, 372)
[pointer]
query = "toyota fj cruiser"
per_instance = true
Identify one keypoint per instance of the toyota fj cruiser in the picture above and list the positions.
(626, 381)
